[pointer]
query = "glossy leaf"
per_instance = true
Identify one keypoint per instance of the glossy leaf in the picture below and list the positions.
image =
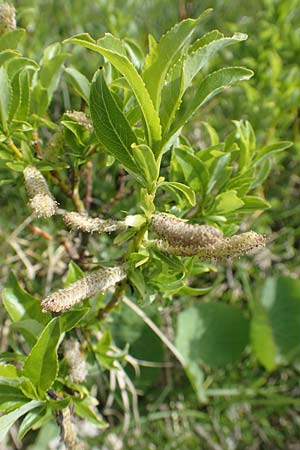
(41, 365)
(5, 89)
(111, 126)
(187, 191)
(163, 55)
(19, 304)
(79, 82)
(214, 333)
(146, 163)
(114, 50)
(8, 420)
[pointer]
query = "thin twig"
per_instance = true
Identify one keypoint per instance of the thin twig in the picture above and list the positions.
(156, 330)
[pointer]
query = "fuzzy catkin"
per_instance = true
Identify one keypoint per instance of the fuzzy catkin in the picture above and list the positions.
(87, 224)
(7, 18)
(75, 361)
(41, 200)
(80, 118)
(82, 289)
(179, 233)
(239, 244)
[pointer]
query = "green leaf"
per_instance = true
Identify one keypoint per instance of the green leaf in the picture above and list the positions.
(34, 420)
(8, 420)
(206, 90)
(71, 319)
(272, 149)
(146, 163)
(195, 172)
(19, 304)
(30, 329)
(261, 332)
(111, 126)
(8, 371)
(163, 55)
(24, 100)
(227, 202)
(5, 89)
(41, 365)
(11, 39)
(74, 273)
(187, 191)
(11, 398)
(114, 50)
(253, 203)
(281, 300)
(197, 59)
(87, 411)
(79, 82)
(214, 333)
(171, 95)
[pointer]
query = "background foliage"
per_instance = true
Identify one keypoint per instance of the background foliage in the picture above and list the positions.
(236, 323)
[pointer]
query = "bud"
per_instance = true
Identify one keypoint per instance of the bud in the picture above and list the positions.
(239, 244)
(87, 224)
(179, 233)
(41, 200)
(86, 287)
(7, 18)
(75, 361)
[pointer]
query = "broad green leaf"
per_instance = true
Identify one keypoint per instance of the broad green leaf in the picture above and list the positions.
(114, 50)
(272, 149)
(213, 333)
(206, 90)
(19, 63)
(8, 371)
(74, 273)
(5, 89)
(163, 55)
(261, 333)
(34, 420)
(41, 365)
(8, 420)
(171, 95)
(146, 163)
(11, 39)
(51, 67)
(197, 59)
(19, 304)
(6, 55)
(187, 191)
(281, 300)
(253, 203)
(89, 413)
(71, 319)
(24, 101)
(246, 140)
(111, 126)
(220, 174)
(79, 82)
(30, 329)
(195, 172)
(227, 202)
(11, 398)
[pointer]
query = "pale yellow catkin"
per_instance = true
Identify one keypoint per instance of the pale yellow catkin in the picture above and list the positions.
(41, 200)
(177, 232)
(82, 289)
(80, 118)
(239, 244)
(75, 360)
(87, 224)
(7, 18)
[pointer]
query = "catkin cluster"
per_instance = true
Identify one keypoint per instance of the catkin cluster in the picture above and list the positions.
(87, 224)
(75, 361)
(182, 239)
(41, 200)
(80, 118)
(7, 18)
(82, 289)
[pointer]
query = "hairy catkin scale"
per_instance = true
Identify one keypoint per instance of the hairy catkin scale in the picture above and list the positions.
(239, 244)
(75, 361)
(177, 232)
(7, 18)
(87, 224)
(79, 117)
(68, 433)
(86, 287)
(41, 200)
